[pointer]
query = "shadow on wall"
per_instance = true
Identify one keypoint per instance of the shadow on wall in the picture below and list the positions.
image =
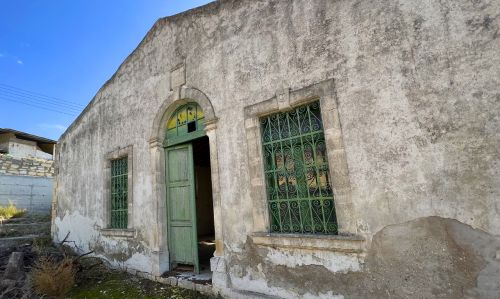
(429, 257)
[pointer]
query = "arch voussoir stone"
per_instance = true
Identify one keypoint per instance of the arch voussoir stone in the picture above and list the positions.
(178, 97)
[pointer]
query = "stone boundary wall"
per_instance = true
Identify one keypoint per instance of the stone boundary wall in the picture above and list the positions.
(30, 166)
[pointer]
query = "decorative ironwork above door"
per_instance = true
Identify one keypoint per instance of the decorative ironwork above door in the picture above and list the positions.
(186, 123)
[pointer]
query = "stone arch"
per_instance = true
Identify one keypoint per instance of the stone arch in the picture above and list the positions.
(178, 97)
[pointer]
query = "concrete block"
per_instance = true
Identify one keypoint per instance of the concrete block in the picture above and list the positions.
(185, 284)
(217, 264)
(204, 288)
(15, 267)
(172, 281)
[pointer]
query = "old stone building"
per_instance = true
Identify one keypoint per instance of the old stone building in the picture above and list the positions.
(303, 148)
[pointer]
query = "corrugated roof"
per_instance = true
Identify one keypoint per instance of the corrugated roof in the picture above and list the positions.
(27, 136)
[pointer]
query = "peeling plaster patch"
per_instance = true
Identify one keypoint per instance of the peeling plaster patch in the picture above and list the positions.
(118, 252)
(249, 283)
(80, 229)
(140, 262)
(236, 248)
(332, 261)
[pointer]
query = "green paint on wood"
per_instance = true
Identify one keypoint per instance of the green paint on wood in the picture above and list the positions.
(186, 123)
(181, 206)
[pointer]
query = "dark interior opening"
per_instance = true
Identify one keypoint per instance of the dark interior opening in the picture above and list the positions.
(191, 126)
(204, 202)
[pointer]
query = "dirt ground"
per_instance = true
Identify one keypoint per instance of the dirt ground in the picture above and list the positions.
(94, 280)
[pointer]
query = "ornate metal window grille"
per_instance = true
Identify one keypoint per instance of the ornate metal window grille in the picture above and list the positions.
(186, 123)
(119, 193)
(299, 191)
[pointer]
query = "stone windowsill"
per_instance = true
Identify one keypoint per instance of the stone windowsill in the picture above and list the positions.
(119, 233)
(338, 243)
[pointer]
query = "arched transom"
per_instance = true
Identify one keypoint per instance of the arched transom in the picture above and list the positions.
(186, 123)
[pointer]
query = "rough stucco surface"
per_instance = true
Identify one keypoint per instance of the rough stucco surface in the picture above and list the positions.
(429, 257)
(417, 86)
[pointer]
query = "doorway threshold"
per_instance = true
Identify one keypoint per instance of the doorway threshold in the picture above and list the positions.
(185, 276)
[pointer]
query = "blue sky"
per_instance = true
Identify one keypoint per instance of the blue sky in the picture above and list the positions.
(57, 54)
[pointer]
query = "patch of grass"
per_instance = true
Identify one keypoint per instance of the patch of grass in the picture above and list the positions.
(11, 211)
(42, 244)
(53, 278)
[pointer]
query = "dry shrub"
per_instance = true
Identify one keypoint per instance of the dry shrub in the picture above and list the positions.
(11, 211)
(53, 278)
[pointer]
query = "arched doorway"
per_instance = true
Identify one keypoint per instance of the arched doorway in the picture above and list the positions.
(190, 213)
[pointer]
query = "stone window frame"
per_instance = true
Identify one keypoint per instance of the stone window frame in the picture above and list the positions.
(286, 100)
(129, 232)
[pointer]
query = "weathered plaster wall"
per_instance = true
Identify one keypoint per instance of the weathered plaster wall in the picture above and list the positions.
(20, 148)
(416, 85)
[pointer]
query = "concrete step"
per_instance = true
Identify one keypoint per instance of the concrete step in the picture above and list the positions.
(14, 230)
(23, 224)
(7, 242)
(27, 219)
(12, 220)
(21, 238)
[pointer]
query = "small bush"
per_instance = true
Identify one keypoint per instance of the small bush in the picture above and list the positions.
(53, 278)
(11, 211)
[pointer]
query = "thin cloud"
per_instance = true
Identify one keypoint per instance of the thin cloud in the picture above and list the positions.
(2, 55)
(19, 61)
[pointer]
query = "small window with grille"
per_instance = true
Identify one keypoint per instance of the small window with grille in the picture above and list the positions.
(299, 192)
(119, 193)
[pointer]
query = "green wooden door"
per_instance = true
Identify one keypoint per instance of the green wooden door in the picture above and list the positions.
(182, 234)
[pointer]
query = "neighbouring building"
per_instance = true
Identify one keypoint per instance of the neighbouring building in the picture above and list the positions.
(298, 149)
(26, 171)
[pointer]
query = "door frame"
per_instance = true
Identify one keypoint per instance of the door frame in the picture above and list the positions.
(178, 96)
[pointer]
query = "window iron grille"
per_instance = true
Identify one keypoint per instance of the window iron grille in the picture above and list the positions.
(299, 193)
(119, 193)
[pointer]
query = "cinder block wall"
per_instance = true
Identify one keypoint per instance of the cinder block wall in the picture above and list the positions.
(27, 183)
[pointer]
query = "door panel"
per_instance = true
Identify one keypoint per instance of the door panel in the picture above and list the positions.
(179, 202)
(181, 245)
(182, 234)
(178, 165)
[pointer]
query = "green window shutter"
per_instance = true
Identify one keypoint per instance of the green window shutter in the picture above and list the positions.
(299, 192)
(119, 193)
